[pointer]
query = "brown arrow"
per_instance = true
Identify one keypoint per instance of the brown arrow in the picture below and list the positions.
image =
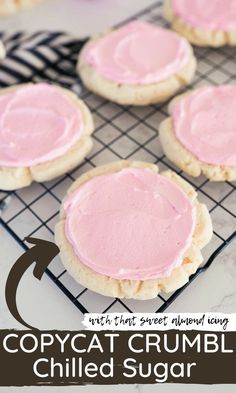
(42, 254)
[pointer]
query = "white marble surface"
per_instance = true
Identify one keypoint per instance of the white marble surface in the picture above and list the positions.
(80, 17)
(213, 291)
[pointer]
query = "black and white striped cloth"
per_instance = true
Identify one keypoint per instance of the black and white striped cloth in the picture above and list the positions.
(42, 56)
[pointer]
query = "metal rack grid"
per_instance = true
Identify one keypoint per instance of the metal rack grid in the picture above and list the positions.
(121, 133)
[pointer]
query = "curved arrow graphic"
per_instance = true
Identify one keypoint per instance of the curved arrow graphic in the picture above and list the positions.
(42, 253)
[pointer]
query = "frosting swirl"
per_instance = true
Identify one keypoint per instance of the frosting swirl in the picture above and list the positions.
(133, 224)
(205, 123)
(138, 53)
(38, 123)
(210, 15)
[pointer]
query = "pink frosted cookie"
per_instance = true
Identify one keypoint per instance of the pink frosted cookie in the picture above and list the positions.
(137, 64)
(44, 132)
(127, 231)
(203, 23)
(200, 135)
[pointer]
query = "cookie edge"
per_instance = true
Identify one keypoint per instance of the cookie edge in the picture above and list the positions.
(13, 6)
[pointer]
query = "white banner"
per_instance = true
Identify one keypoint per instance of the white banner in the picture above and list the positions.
(218, 322)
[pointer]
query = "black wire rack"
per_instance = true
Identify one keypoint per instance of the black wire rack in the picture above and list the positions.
(121, 133)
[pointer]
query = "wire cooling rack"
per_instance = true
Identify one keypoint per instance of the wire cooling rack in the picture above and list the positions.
(121, 133)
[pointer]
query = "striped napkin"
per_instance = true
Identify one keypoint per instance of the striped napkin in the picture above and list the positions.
(38, 57)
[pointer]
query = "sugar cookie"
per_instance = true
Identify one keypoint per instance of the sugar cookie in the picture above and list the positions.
(45, 131)
(203, 23)
(127, 231)
(2, 51)
(137, 64)
(200, 135)
(10, 6)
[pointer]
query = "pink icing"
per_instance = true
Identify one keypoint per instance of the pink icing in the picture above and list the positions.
(205, 123)
(138, 53)
(208, 14)
(37, 124)
(133, 224)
